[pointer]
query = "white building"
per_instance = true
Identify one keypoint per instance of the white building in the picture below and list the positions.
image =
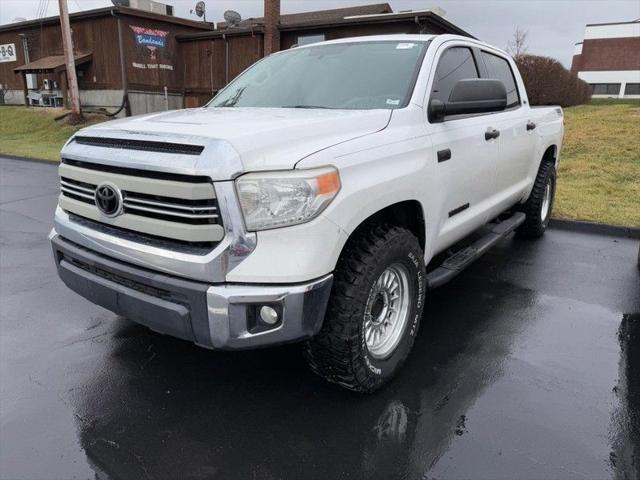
(609, 59)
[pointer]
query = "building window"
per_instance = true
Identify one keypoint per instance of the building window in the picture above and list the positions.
(606, 88)
(632, 89)
(307, 39)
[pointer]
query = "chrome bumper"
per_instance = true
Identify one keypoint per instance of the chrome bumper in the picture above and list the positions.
(221, 316)
(234, 313)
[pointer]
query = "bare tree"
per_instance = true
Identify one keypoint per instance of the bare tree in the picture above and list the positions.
(518, 45)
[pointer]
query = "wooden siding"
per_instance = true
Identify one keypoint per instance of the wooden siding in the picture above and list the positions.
(92, 35)
(99, 35)
(153, 69)
(205, 66)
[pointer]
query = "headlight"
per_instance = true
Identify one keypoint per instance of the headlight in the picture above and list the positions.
(280, 199)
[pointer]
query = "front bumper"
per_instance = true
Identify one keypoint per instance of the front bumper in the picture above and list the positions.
(222, 316)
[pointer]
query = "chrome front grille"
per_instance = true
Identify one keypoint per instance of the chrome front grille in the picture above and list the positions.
(167, 208)
(174, 206)
(84, 192)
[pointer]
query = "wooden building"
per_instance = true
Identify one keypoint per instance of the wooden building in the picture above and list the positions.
(149, 60)
(190, 59)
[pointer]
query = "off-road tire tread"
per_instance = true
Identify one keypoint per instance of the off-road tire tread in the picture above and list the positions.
(334, 353)
(533, 227)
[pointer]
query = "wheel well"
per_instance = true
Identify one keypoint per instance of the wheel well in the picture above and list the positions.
(408, 214)
(549, 155)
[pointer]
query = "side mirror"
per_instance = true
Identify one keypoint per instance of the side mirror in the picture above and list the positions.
(473, 95)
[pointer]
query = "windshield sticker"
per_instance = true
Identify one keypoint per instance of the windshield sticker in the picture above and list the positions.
(391, 101)
(405, 46)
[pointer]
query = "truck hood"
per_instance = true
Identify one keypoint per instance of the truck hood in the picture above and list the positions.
(262, 138)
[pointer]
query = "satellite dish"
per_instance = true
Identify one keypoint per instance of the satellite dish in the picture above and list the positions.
(200, 9)
(232, 17)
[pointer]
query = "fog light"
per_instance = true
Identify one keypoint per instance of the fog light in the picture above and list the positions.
(269, 315)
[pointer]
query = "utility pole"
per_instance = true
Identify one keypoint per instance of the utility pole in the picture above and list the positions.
(67, 45)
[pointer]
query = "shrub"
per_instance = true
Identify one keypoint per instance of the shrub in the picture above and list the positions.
(549, 83)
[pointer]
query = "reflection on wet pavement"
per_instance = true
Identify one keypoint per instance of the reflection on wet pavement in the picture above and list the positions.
(625, 421)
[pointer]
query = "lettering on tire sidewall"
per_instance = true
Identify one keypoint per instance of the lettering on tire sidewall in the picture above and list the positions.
(420, 294)
(417, 312)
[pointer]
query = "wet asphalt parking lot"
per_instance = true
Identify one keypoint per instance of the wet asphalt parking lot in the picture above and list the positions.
(526, 366)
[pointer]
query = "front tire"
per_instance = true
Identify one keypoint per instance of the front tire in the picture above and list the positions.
(539, 205)
(374, 311)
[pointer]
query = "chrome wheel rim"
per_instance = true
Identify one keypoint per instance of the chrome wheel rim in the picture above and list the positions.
(546, 202)
(387, 311)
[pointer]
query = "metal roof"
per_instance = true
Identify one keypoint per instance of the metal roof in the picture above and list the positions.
(318, 15)
(327, 22)
(423, 15)
(102, 12)
(52, 63)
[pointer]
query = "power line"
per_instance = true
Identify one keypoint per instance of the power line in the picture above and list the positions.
(39, 9)
(43, 8)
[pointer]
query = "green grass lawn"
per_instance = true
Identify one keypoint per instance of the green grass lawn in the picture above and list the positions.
(33, 132)
(599, 174)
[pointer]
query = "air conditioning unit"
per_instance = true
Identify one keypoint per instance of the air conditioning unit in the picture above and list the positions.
(149, 6)
(32, 81)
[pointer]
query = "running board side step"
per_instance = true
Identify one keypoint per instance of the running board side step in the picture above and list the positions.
(460, 260)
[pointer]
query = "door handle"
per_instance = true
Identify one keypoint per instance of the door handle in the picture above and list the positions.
(444, 155)
(531, 126)
(491, 133)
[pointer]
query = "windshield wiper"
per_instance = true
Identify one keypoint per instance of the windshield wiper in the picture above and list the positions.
(231, 102)
(306, 106)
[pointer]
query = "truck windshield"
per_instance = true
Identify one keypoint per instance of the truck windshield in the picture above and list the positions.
(358, 75)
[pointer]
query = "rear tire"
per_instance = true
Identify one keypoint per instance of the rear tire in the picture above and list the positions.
(539, 205)
(374, 310)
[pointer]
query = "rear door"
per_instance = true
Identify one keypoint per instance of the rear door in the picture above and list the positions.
(517, 134)
(465, 156)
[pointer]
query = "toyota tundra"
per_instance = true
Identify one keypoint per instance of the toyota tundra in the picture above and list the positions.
(317, 198)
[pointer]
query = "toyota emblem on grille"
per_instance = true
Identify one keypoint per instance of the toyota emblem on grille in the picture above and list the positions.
(109, 199)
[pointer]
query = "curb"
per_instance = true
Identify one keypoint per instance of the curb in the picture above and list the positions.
(29, 159)
(597, 228)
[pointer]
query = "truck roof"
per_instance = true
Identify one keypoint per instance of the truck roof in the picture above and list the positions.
(400, 37)
(407, 37)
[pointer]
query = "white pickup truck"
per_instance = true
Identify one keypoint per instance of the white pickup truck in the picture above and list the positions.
(318, 197)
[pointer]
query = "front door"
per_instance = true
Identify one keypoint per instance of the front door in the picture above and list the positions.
(465, 150)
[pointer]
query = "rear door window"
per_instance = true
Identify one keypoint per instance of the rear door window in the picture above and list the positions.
(455, 64)
(498, 68)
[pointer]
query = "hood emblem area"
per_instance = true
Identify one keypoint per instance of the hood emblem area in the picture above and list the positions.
(109, 199)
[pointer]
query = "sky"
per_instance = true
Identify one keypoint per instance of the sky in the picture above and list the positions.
(552, 26)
